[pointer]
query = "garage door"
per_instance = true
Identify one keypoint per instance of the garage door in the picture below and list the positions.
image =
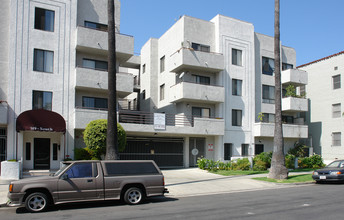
(166, 152)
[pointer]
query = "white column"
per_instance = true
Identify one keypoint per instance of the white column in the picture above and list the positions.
(186, 151)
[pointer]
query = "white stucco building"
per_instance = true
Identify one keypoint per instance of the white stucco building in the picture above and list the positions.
(195, 92)
(325, 118)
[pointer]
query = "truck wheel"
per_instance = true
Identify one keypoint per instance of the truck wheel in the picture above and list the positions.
(36, 202)
(133, 196)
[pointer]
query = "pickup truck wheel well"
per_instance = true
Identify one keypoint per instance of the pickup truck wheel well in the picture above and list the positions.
(138, 185)
(41, 190)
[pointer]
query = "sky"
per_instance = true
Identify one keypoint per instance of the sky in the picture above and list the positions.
(314, 28)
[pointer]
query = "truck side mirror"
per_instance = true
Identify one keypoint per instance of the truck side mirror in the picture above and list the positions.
(65, 176)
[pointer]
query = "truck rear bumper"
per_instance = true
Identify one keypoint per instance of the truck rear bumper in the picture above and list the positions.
(166, 191)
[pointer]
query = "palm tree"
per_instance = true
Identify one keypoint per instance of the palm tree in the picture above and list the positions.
(111, 139)
(278, 169)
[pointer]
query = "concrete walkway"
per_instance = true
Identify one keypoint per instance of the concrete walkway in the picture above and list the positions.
(194, 182)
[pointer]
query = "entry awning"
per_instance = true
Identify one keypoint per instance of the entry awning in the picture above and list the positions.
(40, 120)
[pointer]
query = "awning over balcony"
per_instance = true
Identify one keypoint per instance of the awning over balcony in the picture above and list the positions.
(40, 120)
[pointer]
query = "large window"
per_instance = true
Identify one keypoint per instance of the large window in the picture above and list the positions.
(268, 118)
(162, 92)
(286, 66)
(44, 19)
(268, 66)
(336, 139)
(95, 64)
(43, 60)
(42, 100)
(92, 102)
(236, 87)
(236, 57)
(244, 149)
(336, 82)
(201, 112)
(97, 26)
(336, 110)
(162, 64)
(228, 151)
(202, 80)
(268, 94)
(200, 47)
(236, 117)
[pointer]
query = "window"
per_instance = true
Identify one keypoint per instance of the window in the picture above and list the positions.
(236, 57)
(97, 26)
(268, 94)
(336, 82)
(119, 168)
(200, 47)
(44, 19)
(162, 92)
(287, 119)
(42, 100)
(202, 80)
(95, 64)
(43, 60)
(228, 151)
(28, 151)
(201, 112)
(236, 87)
(336, 110)
(143, 68)
(336, 139)
(244, 149)
(55, 148)
(286, 66)
(97, 103)
(268, 66)
(80, 170)
(236, 117)
(143, 94)
(268, 118)
(162, 64)
(3, 141)
(258, 148)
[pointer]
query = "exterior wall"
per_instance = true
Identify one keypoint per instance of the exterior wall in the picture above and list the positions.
(4, 48)
(322, 96)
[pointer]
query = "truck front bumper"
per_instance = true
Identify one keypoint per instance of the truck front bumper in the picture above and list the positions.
(15, 199)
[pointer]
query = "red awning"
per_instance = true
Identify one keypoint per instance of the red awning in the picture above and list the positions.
(40, 120)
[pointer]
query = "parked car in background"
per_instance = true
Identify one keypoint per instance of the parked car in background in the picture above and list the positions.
(332, 172)
(79, 181)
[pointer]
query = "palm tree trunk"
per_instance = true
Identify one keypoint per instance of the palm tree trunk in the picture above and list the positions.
(111, 139)
(278, 169)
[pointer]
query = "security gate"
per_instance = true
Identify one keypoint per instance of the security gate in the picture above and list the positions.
(3, 147)
(196, 147)
(166, 152)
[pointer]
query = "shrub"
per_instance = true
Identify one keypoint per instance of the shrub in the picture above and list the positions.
(212, 165)
(221, 165)
(259, 165)
(81, 154)
(262, 161)
(243, 164)
(290, 161)
(95, 138)
(298, 150)
(313, 162)
(202, 163)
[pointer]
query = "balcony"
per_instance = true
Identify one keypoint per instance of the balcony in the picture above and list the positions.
(289, 130)
(186, 91)
(294, 76)
(96, 41)
(98, 79)
(293, 104)
(3, 112)
(83, 116)
(190, 59)
(143, 122)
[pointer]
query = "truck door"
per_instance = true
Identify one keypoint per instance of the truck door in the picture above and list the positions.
(79, 183)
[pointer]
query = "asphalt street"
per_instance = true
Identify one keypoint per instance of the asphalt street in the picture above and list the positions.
(324, 201)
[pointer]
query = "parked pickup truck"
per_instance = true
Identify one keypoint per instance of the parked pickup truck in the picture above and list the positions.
(79, 181)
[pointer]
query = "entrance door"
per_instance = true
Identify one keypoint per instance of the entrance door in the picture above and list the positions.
(41, 153)
(196, 148)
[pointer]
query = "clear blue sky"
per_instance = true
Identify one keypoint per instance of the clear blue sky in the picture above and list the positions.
(315, 28)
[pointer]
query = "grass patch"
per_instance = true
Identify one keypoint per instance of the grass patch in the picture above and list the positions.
(301, 170)
(237, 172)
(291, 179)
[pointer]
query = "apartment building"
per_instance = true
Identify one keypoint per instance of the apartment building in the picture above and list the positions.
(54, 76)
(325, 118)
(209, 81)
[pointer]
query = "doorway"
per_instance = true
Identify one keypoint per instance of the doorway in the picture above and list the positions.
(196, 148)
(41, 153)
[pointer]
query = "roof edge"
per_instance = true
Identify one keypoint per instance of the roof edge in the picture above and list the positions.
(325, 58)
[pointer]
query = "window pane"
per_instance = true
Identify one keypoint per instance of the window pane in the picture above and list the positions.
(236, 57)
(236, 117)
(48, 61)
(47, 100)
(206, 113)
(88, 63)
(101, 103)
(336, 139)
(88, 102)
(336, 110)
(236, 87)
(49, 20)
(44, 19)
(196, 111)
(268, 66)
(81, 170)
(162, 64)
(101, 65)
(336, 82)
(38, 60)
(228, 151)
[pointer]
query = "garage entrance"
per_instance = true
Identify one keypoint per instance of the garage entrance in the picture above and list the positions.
(166, 152)
(196, 147)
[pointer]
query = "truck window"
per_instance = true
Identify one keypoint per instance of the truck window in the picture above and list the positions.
(80, 170)
(144, 168)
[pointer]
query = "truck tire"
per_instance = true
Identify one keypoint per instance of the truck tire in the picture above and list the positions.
(36, 202)
(133, 196)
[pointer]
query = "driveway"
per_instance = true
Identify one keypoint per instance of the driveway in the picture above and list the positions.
(194, 182)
